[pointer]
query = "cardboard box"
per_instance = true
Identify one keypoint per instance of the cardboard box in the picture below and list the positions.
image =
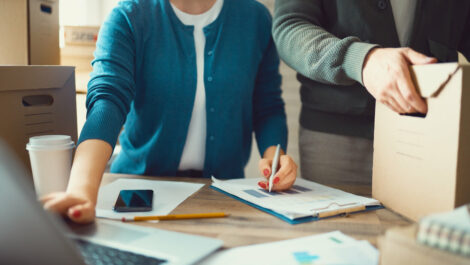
(81, 35)
(36, 100)
(30, 32)
(422, 164)
(399, 247)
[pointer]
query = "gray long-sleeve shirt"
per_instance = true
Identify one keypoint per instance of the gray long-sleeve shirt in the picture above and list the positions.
(326, 42)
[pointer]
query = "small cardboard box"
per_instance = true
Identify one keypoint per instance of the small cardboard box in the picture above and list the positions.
(30, 32)
(399, 247)
(422, 164)
(36, 100)
(81, 35)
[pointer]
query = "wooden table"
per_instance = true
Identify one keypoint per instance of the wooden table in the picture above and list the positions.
(247, 225)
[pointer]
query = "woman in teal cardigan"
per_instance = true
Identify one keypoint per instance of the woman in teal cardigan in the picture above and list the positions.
(190, 81)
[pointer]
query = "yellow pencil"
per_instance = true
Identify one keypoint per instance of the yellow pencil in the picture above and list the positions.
(176, 217)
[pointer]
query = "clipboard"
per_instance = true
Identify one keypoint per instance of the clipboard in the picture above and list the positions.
(305, 201)
(329, 214)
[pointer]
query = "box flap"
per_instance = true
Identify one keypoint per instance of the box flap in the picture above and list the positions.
(430, 79)
(14, 78)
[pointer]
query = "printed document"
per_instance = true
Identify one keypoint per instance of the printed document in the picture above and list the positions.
(334, 248)
(305, 198)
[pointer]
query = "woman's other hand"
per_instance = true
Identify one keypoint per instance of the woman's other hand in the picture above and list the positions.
(78, 208)
(78, 202)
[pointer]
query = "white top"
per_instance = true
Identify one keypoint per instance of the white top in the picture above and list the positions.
(404, 15)
(195, 147)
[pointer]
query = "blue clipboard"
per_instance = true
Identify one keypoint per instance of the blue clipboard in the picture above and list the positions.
(282, 217)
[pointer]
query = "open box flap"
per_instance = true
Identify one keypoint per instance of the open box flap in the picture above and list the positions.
(430, 79)
(13, 78)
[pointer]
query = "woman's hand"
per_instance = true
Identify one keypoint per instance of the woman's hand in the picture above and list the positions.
(286, 174)
(78, 208)
(78, 202)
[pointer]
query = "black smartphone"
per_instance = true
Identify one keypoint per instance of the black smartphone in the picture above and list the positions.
(134, 201)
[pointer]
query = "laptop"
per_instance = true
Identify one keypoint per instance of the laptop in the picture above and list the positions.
(30, 235)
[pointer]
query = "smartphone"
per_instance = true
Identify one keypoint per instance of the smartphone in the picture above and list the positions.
(134, 201)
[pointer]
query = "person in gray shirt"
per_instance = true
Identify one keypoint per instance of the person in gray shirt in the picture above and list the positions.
(350, 54)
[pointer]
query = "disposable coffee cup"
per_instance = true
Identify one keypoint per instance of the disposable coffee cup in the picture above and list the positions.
(51, 161)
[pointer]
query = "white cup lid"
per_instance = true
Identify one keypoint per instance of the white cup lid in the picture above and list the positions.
(50, 142)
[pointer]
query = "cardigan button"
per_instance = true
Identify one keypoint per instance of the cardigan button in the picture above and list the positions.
(210, 53)
(211, 138)
(210, 79)
(382, 4)
(212, 110)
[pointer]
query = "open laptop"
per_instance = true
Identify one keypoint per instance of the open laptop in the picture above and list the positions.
(30, 235)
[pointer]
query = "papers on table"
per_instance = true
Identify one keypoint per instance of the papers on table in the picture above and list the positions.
(329, 248)
(304, 199)
(167, 195)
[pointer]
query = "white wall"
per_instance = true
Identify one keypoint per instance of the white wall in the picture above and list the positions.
(84, 12)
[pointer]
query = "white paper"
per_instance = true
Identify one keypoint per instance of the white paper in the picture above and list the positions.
(305, 198)
(167, 195)
(332, 248)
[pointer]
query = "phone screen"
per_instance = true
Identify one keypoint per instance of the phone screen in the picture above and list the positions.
(134, 201)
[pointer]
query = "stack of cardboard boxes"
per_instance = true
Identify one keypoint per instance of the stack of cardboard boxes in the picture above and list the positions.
(40, 99)
(31, 37)
(30, 32)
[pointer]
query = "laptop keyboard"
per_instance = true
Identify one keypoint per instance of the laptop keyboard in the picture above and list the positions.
(95, 254)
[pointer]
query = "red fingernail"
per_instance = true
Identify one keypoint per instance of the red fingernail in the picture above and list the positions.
(276, 180)
(266, 172)
(262, 185)
(76, 214)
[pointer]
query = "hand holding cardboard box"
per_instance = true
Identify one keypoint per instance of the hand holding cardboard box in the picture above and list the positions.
(421, 164)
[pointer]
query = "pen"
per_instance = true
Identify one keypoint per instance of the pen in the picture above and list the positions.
(175, 217)
(274, 166)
